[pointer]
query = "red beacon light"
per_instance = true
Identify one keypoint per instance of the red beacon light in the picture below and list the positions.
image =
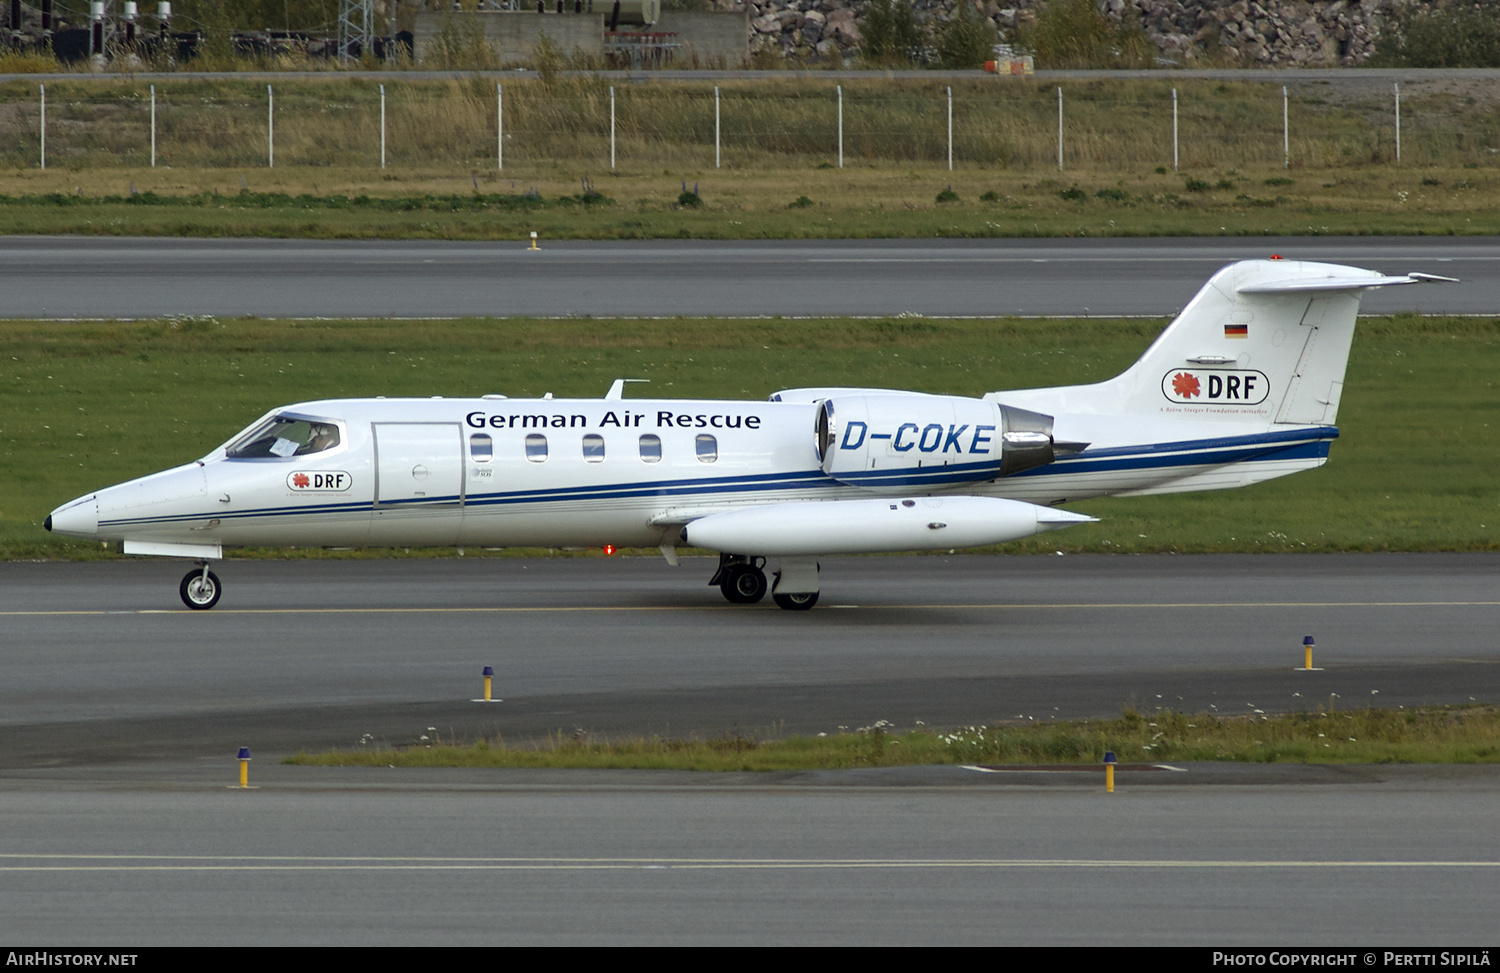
(1275, 256)
(608, 549)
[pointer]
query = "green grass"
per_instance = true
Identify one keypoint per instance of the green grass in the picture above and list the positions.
(1427, 735)
(879, 202)
(87, 404)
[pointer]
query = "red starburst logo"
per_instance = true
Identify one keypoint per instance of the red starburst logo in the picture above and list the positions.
(1185, 385)
(301, 480)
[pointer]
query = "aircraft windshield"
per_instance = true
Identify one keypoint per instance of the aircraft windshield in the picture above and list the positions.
(283, 436)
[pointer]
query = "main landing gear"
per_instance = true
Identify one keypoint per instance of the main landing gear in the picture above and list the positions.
(200, 588)
(742, 579)
(796, 603)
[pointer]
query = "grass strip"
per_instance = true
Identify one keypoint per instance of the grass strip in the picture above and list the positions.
(778, 203)
(88, 404)
(1421, 735)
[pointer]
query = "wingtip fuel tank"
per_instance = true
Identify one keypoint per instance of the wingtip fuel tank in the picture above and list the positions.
(874, 525)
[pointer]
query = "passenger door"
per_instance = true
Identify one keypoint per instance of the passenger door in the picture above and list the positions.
(419, 464)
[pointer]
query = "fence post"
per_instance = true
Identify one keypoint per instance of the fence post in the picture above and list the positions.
(382, 126)
(716, 126)
(950, 129)
(1286, 134)
(153, 126)
(611, 126)
(1397, 86)
(1059, 129)
(1174, 129)
(841, 125)
(270, 128)
(44, 126)
(499, 128)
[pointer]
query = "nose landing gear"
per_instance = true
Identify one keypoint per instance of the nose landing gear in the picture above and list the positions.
(200, 588)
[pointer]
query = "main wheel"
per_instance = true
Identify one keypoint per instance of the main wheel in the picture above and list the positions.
(200, 591)
(744, 584)
(796, 603)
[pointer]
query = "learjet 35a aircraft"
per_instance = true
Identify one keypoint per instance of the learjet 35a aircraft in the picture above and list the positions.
(1243, 386)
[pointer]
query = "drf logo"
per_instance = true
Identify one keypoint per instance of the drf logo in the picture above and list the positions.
(319, 481)
(1216, 386)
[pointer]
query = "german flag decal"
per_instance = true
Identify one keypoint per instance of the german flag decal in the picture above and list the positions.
(1236, 330)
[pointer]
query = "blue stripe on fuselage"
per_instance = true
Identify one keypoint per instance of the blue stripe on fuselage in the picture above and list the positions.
(1305, 443)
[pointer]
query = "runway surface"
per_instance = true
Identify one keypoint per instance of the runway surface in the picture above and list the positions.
(120, 714)
(1407, 859)
(71, 277)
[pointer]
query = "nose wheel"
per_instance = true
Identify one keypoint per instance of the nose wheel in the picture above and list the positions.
(200, 589)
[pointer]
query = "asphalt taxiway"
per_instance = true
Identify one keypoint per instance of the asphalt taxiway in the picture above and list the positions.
(324, 653)
(121, 712)
(81, 277)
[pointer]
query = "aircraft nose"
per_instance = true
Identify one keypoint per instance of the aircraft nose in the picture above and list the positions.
(77, 519)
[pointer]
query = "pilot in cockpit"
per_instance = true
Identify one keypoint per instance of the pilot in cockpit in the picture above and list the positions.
(324, 436)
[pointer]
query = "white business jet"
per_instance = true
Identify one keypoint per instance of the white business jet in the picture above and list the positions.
(1243, 386)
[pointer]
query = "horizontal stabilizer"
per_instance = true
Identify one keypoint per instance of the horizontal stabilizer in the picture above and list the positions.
(1337, 283)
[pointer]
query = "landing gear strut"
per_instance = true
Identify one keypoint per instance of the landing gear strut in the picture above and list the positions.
(200, 588)
(741, 578)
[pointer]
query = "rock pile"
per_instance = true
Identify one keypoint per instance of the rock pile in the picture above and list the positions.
(1284, 33)
(805, 28)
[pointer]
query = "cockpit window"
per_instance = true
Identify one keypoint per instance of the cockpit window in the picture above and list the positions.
(283, 436)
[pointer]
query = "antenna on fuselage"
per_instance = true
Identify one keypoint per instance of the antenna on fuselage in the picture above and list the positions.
(617, 390)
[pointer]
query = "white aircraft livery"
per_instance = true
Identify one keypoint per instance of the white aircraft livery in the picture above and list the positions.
(1243, 386)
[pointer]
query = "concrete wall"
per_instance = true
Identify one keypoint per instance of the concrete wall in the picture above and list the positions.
(514, 34)
(713, 37)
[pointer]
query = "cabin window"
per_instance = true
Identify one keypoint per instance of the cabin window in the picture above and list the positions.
(283, 436)
(708, 449)
(650, 449)
(481, 448)
(593, 448)
(536, 448)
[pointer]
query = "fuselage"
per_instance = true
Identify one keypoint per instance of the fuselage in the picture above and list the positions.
(498, 472)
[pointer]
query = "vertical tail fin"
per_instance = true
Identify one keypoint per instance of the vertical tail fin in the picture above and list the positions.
(1263, 341)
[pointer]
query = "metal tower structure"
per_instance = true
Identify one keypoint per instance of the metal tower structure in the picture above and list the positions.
(356, 28)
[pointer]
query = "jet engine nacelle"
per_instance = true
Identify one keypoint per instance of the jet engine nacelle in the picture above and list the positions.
(904, 440)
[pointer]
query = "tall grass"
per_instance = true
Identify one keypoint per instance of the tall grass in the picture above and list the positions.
(1432, 735)
(1113, 125)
